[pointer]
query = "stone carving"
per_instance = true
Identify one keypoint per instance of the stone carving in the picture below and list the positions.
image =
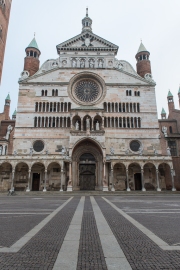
(112, 150)
(9, 129)
(91, 63)
(82, 63)
(100, 63)
(155, 152)
(74, 62)
(24, 74)
(164, 130)
(15, 153)
(55, 64)
(127, 152)
(64, 62)
(87, 123)
(168, 151)
(31, 151)
(1, 150)
(77, 125)
(148, 77)
(97, 125)
(87, 91)
(140, 151)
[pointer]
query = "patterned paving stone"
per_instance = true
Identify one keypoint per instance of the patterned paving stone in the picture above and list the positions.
(140, 251)
(90, 250)
(42, 250)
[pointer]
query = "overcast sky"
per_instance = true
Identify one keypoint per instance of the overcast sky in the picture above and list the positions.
(122, 22)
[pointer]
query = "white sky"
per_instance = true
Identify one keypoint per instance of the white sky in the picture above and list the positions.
(122, 22)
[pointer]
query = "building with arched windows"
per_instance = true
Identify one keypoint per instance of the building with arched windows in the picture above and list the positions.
(86, 121)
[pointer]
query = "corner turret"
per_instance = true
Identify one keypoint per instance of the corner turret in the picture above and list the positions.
(31, 61)
(143, 64)
(170, 101)
(163, 114)
(7, 107)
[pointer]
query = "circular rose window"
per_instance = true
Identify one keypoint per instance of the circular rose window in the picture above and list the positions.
(86, 91)
(134, 146)
(38, 146)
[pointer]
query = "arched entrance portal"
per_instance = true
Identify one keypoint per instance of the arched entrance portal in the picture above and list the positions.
(87, 166)
(87, 172)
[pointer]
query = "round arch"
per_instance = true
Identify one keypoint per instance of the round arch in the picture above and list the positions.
(150, 181)
(119, 176)
(87, 173)
(165, 178)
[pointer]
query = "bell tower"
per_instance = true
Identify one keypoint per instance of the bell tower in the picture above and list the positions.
(5, 8)
(143, 64)
(170, 101)
(31, 61)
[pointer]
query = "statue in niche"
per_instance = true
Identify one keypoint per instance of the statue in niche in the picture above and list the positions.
(82, 63)
(77, 125)
(100, 63)
(91, 63)
(97, 125)
(74, 62)
(9, 129)
(15, 153)
(168, 151)
(87, 123)
(112, 150)
(1, 150)
(164, 130)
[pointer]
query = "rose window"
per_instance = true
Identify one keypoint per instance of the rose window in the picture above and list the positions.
(87, 91)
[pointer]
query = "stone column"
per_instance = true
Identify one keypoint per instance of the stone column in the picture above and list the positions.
(127, 177)
(52, 106)
(157, 180)
(56, 106)
(107, 107)
(114, 122)
(111, 107)
(105, 185)
(81, 124)
(59, 106)
(92, 124)
(71, 122)
(172, 176)
(110, 122)
(62, 178)
(29, 179)
(48, 122)
(69, 188)
(111, 178)
(103, 122)
(62, 121)
(38, 107)
(45, 181)
(142, 180)
(12, 180)
(63, 106)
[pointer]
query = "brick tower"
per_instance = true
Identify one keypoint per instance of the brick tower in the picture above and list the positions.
(170, 101)
(5, 7)
(31, 61)
(7, 107)
(143, 64)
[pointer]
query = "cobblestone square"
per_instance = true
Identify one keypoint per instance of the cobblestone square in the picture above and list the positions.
(90, 232)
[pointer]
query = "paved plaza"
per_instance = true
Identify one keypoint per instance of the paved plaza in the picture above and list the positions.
(90, 232)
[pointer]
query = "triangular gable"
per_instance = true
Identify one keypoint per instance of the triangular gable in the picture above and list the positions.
(86, 41)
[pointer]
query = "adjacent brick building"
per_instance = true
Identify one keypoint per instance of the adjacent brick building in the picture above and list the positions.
(5, 7)
(170, 134)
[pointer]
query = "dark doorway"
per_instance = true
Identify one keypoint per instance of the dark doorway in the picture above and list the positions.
(87, 179)
(137, 180)
(35, 181)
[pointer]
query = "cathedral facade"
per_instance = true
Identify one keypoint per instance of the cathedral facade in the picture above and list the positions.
(86, 121)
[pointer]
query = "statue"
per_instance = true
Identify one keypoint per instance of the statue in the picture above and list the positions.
(15, 153)
(87, 123)
(100, 63)
(140, 151)
(77, 125)
(82, 63)
(112, 150)
(127, 152)
(1, 150)
(97, 125)
(91, 63)
(74, 63)
(155, 152)
(9, 129)
(168, 151)
(164, 130)
(47, 152)
(31, 151)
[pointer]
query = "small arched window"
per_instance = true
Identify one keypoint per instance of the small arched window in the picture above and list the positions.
(53, 92)
(170, 129)
(138, 94)
(31, 53)
(56, 93)
(135, 93)
(45, 93)
(35, 54)
(42, 93)
(127, 93)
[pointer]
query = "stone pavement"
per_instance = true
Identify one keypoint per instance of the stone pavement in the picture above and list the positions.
(90, 232)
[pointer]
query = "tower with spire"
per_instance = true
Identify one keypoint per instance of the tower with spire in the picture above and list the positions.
(86, 23)
(7, 107)
(143, 64)
(170, 101)
(31, 61)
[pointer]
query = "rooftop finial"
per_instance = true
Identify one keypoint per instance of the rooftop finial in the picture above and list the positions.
(34, 34)
(87, 12)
